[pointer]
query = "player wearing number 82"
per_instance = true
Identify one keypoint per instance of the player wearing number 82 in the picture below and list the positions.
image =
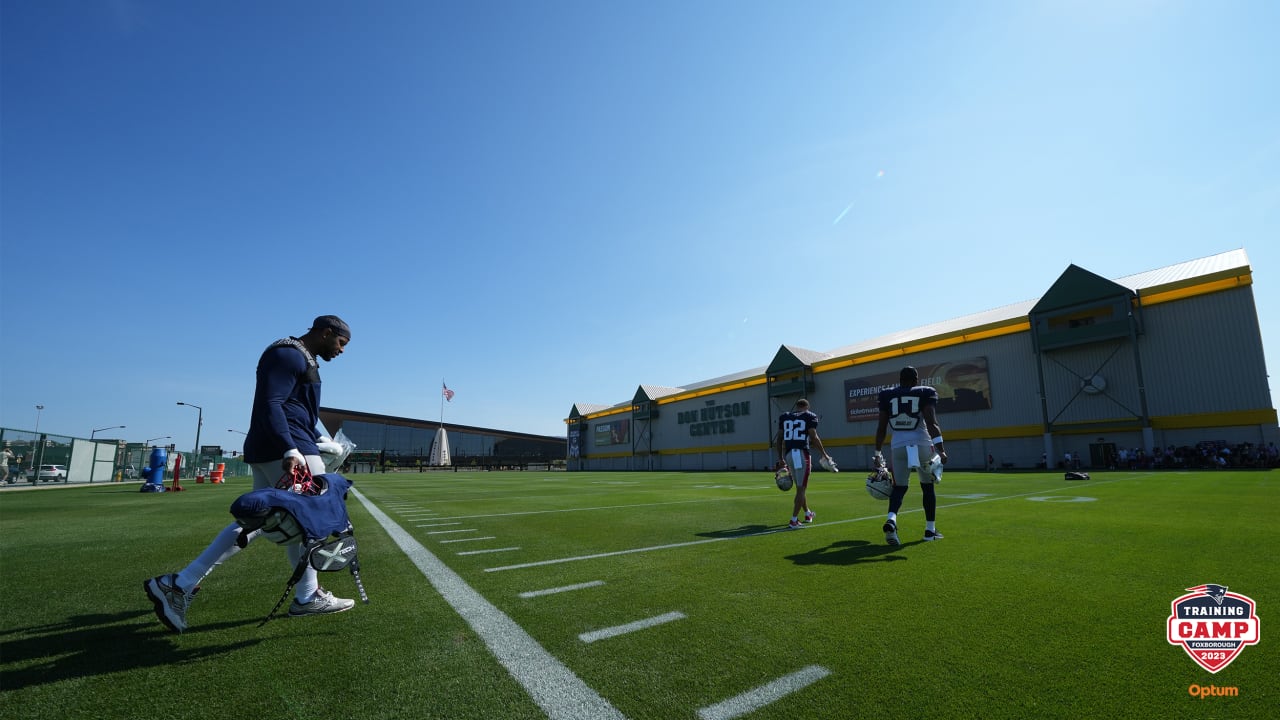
(797, 429)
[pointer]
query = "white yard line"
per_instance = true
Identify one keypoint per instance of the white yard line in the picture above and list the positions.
(565, 588)
(616, 630)
(487, 537)
(560, 693)
(485, 552)
(585, 509)
(752, 700)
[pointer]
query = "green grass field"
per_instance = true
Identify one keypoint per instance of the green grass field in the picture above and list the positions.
(1047, 599)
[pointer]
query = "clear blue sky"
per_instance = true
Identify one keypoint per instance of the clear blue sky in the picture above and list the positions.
(544, 203)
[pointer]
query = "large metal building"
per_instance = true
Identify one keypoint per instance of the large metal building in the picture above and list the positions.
(391, 441)
(1156, 367)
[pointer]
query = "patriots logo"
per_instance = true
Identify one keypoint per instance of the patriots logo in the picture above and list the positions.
(1217, 592)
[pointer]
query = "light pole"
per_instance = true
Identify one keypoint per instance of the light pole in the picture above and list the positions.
(199, 424)
(238, 431)
(95, 432)
(39, 409)
(147, 443)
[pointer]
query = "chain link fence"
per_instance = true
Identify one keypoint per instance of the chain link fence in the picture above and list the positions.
(46, 459)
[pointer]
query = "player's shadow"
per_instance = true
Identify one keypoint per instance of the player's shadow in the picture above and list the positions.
(852, 552)
(92, 645)
(741, 531)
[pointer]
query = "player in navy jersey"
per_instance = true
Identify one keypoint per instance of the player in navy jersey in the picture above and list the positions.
(283, 434)
(911, 412)
(796, 431)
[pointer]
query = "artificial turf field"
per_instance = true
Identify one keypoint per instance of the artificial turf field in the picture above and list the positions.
(652, 595)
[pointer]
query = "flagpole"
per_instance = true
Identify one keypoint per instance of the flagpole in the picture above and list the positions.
(442, 387)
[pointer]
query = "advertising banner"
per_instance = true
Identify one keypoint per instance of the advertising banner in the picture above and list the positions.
(961, 385)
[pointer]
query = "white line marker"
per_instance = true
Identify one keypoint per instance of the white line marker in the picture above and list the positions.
(596, 556)
(439, 524)
(446, 532)
(566, 588)
(552, 686)
(487, 537)
(590, 637)
(753, 700)
(491, 550)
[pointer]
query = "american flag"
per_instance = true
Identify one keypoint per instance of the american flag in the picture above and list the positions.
(448, 394)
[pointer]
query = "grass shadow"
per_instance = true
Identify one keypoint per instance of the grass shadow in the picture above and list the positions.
(852, 552)
(92, 645)
(740, 531)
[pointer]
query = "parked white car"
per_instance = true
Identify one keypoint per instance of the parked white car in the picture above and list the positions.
(53, 472)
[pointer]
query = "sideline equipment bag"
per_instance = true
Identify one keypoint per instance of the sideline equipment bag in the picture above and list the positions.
(312, 513)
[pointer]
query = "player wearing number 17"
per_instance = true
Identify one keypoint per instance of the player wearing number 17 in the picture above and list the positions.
(911, 410)
(796, 430)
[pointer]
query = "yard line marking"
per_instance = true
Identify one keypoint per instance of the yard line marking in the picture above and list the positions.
(597, 556)
(551, 685)
(487, 537)
(691, 543)
(616, 630)
(568, 510)
(492, 550)
(565, 588)
(439, 524)
(752, 700)
(446, 532)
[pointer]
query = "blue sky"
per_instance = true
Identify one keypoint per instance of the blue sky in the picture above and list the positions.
(554, 202)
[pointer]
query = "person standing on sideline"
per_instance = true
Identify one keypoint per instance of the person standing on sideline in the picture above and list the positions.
(796, 430)
(5, 459)
(283, 435)
(911, 410)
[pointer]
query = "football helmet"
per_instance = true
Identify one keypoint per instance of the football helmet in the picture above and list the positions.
(880, 484)
(783, 478)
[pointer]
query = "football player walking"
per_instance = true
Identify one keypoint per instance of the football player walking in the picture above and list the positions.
(283, 435)
(798, 429)
(911, 411)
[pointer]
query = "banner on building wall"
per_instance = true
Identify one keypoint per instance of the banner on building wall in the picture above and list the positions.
(573, 443)
(614, 432)
(961, 384)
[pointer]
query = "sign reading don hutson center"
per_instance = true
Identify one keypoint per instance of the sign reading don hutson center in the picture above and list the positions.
(713, 419)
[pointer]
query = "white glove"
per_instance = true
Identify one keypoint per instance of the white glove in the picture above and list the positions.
(329, 447)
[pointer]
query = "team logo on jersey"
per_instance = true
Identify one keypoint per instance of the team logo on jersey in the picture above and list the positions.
(1213, 625)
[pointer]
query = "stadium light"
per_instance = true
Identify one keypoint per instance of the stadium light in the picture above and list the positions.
(199, 424)
(95, 432)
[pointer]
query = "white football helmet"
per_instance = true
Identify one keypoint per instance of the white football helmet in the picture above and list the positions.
(880, 484)
(783, 478)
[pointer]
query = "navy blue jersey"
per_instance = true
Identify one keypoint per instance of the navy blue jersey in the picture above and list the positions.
(319, 515)
(905, 406)
(795, 427)
(286, 404)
